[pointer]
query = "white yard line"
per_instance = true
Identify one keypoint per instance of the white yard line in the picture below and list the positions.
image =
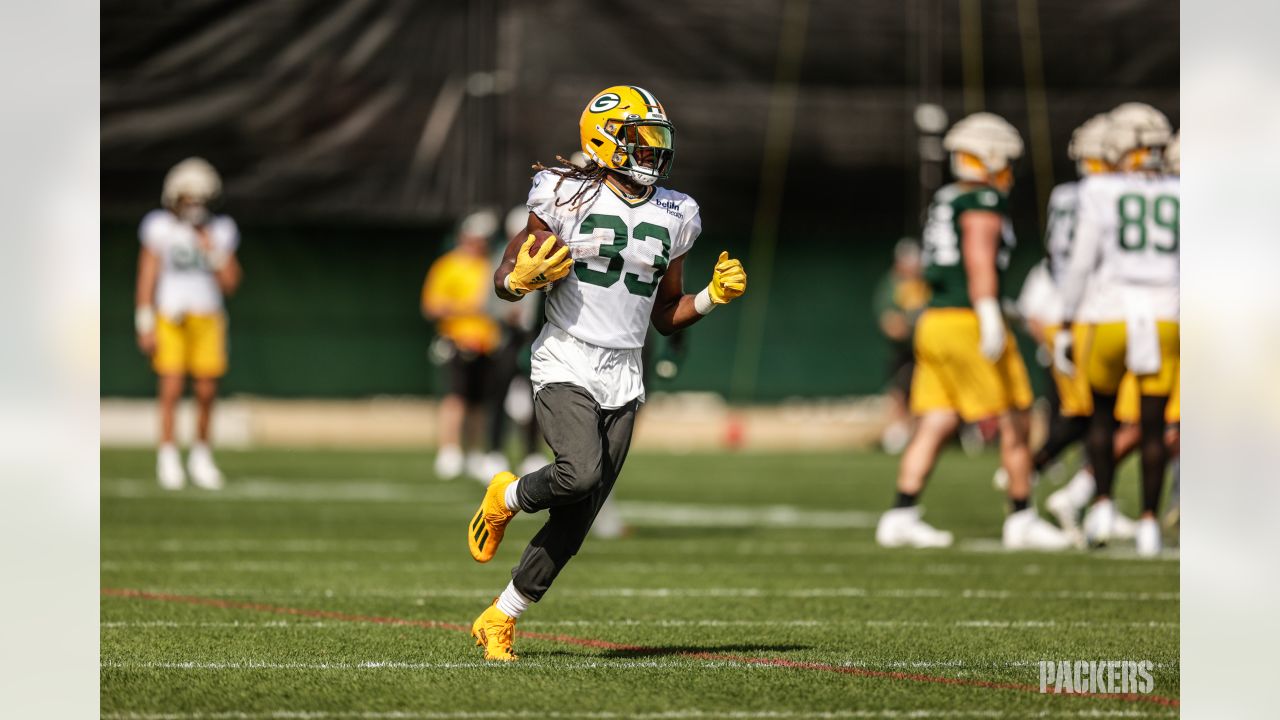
(692, 592)
(240, 565)
(533, 624)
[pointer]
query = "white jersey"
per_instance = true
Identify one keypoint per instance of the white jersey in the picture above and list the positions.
(1126, 248)
(623, 250)
(598, 315)
(1059, 238)
(1061, 230)
(186, 283)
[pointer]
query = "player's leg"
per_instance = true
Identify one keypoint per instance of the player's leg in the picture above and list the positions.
(1105, 369)
(1023, 528)
(901, 525)
(169, 470)
(1156, 390)
(934, 406)
(207, 362)
(572, 420)
(170, 363)
(568, 524)
(1069, 424)
(475, 418)
(453, 407)
(1071, 499)
(204, 472)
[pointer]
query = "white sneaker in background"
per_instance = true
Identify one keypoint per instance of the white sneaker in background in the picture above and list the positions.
(1123, 527)
(1000, 480)
(609, 524)
(1148, 537)
(169, 468)
(1067, 502)
(478, 466)
(1099, 522)
(1025, 530)
(494, 462)
(532, 463)
(902, 527)
(449, 462)
(204, 472)
(895, 437)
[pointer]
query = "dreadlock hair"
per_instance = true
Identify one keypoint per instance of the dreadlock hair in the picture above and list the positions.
(592, 178)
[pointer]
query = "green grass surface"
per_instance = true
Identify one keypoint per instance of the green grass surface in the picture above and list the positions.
(303, 567)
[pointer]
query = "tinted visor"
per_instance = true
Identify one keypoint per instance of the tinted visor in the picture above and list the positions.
(650, 145)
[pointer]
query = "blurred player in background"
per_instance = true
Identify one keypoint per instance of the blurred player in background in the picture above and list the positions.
(1126, 250)
(898, 301)
(629, 238)
(455, 295)
(967, 366)
(186, 265)
(1041, 303)
(1173, 166)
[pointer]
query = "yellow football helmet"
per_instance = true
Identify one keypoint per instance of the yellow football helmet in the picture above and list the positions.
(625, 128)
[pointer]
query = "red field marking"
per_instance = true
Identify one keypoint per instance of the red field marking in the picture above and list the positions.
(606, 645)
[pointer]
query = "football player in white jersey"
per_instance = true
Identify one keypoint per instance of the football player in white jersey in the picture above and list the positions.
(622, 268)
(186, 265)
(1127, 249)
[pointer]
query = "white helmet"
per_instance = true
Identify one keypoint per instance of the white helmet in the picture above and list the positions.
(1135, 126)
(1173, 155)
(193, 178)
(1086, 145)
(516, 220)
(987, 137)
(481, 223)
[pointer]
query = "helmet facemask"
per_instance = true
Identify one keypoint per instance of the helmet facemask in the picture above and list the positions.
(646, 149)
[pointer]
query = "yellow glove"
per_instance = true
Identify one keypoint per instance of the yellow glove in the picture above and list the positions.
(728, 280)
(535, 270)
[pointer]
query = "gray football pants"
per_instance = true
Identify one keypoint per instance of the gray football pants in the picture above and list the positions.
(590, 444)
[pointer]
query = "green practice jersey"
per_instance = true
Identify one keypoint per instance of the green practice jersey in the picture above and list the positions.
(943, 254)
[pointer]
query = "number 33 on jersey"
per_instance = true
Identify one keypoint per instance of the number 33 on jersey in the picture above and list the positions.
(623, 247)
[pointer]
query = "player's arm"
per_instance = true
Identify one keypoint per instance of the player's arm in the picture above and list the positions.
(525, 268)
(228, 274)
(674, 310)
(144, 316)
(223, 262)
(980, 236)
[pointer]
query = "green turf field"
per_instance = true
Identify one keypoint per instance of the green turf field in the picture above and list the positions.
(330, 584)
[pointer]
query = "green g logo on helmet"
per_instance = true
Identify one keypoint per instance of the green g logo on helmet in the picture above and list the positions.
(605, 102)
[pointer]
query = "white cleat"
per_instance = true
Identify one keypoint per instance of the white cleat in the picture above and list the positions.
(477, 467)
(1025, 530)
(1148, 537)
(532, 463)
(204, 472)
(1099, 522)
(1123, 527)
(609, 524)
(449, 463)
(1064, 509)
(169, 468)
(902, 527)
